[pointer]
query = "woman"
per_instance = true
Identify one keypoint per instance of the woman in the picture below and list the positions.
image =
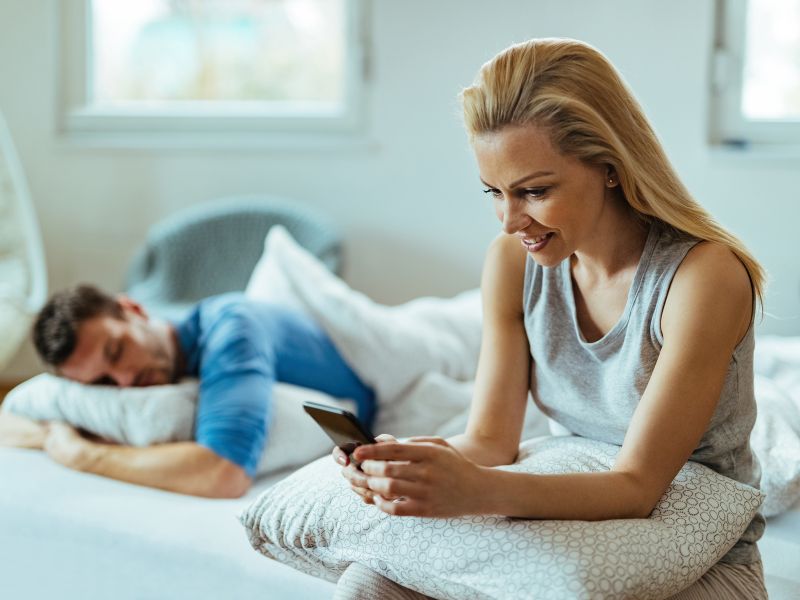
(612, 295)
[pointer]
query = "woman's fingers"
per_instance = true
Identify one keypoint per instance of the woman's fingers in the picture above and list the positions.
(389, 486)
(430, 439)
(367, 495)
(396, 468)
(393, 451)
(340, 457)
(395, 489)
(401, 507)
(354, 476)
(343, 458)
(358, 483)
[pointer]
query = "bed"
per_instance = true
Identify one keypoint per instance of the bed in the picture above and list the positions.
(70, 535)
(780, 550)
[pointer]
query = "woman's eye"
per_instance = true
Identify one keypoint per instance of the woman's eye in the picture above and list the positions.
(494, 192)
(535, 192)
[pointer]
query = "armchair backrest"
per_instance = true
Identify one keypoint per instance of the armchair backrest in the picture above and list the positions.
(212, 248)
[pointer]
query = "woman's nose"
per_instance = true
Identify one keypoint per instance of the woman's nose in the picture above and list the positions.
(514, 218)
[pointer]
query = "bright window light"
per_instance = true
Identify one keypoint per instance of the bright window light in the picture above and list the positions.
(217, 54)
(771, 84)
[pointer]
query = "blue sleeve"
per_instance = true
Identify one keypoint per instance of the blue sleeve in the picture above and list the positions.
(236, 379)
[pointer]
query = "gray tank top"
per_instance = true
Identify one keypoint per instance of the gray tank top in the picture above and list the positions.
(593, 388)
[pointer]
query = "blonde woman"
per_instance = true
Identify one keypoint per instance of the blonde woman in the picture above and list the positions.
(611, 295)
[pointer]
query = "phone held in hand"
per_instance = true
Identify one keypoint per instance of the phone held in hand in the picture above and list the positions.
(343, 427)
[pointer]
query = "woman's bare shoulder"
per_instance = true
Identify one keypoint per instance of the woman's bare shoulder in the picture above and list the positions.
(715, 268)
(504, 275)
(711, 280)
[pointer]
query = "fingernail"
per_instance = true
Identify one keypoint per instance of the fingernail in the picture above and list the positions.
(341, 460)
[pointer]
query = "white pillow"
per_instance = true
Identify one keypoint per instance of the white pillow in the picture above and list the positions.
(390, 348)
(313, 522)
(439, 405)
(143, 416)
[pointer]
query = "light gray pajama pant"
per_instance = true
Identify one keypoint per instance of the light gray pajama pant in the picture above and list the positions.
(721, 582)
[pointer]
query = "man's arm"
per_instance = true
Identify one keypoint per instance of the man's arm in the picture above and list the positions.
(183, 467)
(19, 432)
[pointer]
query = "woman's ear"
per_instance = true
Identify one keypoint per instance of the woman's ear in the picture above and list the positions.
(611, 177)
(129, 305)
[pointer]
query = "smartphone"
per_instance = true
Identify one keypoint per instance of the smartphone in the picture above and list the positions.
(343, 427)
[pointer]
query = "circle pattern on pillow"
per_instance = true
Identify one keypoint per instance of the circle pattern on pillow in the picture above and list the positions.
(313, 522)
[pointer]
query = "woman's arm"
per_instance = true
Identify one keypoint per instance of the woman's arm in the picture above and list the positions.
(501, 387)
(497, 412)
(707, 312)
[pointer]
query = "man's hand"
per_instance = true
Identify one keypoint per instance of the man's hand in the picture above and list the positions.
(65, 445)
(19, 432)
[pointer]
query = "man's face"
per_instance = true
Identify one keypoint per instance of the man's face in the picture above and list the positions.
(128, 351)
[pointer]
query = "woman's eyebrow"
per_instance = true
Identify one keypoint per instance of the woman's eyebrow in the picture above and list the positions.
(523, 179)
(531, 176)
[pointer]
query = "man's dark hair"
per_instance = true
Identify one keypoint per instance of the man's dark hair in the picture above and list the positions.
(55, 331)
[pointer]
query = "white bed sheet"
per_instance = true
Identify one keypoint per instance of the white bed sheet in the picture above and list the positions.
(780, 551)
(69, 535)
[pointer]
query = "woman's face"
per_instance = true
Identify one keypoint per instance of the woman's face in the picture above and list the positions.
(552, 202)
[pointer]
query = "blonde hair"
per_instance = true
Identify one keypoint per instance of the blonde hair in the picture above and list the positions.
(574, 92)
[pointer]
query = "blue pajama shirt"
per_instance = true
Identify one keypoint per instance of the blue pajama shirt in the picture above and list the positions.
(239, 348)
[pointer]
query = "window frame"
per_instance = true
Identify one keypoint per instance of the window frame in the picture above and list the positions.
(231, 123)
(728, 125)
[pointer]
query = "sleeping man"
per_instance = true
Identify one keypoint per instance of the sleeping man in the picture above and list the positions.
(237, 348)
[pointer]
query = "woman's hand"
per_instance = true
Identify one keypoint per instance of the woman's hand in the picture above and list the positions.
(423, 477)
(357, 479)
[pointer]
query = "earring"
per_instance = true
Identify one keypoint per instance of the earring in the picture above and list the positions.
(611, 181)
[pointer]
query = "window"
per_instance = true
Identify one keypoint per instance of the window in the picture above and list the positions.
(756, 73)
(216, 67)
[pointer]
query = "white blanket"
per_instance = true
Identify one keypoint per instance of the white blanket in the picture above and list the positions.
(419, 357)
(776, 435)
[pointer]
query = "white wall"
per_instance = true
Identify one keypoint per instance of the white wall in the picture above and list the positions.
(410, 202)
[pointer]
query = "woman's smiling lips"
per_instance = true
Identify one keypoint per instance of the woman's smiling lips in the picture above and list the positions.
(534, 244)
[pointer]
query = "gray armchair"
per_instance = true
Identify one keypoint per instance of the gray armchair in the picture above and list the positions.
(212, 248)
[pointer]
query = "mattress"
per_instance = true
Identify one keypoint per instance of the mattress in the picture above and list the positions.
(70, 535)
(65, 534)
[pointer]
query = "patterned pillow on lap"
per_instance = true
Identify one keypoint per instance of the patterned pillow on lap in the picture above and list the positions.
(313, 522)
